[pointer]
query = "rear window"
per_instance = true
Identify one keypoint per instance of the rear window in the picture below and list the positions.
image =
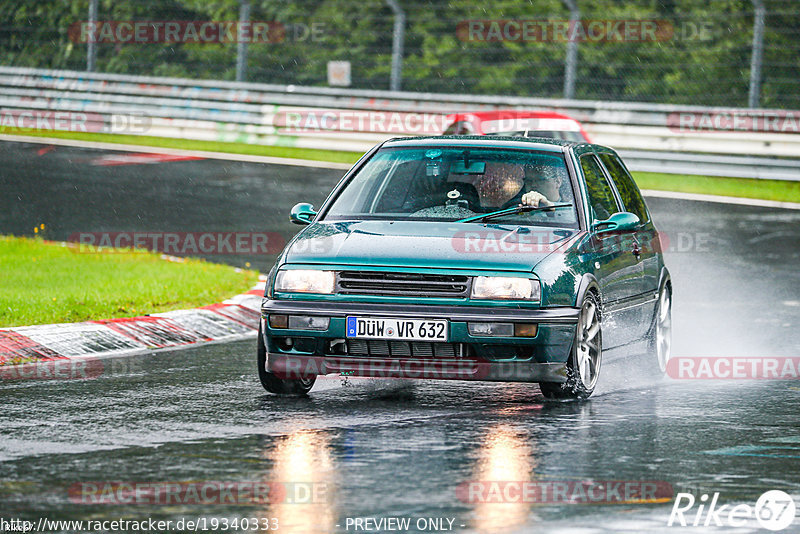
(529, 124)
(459, 128)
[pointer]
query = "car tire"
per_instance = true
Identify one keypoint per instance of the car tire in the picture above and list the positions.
(585, 358)
(659, 339)
(275, 384)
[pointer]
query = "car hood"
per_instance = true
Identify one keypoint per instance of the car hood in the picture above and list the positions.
(447, 245)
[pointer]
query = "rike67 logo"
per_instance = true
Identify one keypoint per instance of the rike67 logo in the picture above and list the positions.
(774, 510)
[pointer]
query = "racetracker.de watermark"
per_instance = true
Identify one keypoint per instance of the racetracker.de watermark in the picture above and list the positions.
(85, 368)
(487, 241)
(73, 121)
(313, 120)
(585, 31)
(193, 31)
(734, 368)
(198, 493)
(292, 367)
(565, 491)
(178, 243)
(734, 121)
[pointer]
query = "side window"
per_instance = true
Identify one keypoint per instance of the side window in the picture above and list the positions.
(601, 197)
(626, 187)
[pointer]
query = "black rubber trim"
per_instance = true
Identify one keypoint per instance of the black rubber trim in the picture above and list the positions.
(563, 314)
(432, 368)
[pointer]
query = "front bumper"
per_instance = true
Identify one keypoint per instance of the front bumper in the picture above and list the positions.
(489, 358)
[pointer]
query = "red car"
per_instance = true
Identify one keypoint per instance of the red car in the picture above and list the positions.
(517, 123)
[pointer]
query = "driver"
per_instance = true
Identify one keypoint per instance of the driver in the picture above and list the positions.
(545, 183)
(501, 185)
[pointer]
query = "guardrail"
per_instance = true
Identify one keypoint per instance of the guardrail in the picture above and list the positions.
(648, 135)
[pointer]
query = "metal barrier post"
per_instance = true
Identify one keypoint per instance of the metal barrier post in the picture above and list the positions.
(397, 44)
(91, 49)
(758, 52)
(241, 37)
(571, 61)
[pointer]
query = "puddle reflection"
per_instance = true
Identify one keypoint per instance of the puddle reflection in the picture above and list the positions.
(507, 454)
(303, 463)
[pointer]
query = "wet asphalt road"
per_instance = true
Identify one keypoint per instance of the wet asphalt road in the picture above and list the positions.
(74, 190)
(400, 448)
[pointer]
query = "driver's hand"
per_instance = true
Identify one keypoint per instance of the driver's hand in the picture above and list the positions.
(535, 199)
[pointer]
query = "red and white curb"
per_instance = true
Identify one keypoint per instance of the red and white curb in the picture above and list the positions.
(235, 318)
(140, 158)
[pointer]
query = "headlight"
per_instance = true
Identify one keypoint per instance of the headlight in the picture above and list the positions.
(305, 281)
(505, 287)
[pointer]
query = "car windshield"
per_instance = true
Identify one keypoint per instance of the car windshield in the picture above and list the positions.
(454, 183)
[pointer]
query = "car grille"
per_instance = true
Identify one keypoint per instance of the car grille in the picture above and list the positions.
(408, 349)
(402, 284)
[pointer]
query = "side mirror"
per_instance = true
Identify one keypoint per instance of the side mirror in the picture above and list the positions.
(619, 222)
(302, 213)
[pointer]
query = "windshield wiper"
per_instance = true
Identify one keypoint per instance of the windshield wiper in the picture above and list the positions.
(511, 211)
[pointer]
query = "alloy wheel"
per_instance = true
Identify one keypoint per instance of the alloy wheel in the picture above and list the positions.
(664, 328)
(588, 345)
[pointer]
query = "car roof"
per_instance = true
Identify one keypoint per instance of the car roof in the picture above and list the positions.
(531, 143)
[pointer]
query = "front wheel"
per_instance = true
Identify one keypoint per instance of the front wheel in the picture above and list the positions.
(583, 365)
(659, 342)
(275, 384)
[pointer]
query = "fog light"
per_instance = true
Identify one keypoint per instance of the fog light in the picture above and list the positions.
(525, 329)
(278, 321)
(491, 329)
(284, 343)
(308, 322)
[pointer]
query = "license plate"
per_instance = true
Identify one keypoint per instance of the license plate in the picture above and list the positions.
(399, 329)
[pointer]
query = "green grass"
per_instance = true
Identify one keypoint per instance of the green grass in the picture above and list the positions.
(44, 282)
(782, 190)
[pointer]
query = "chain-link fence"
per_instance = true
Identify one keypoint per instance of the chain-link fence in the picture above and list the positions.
(716, 52)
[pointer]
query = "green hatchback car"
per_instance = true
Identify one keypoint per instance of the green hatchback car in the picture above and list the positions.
(470, 258)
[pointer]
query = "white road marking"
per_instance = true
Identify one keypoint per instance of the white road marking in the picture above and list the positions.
(177, 151)
(721, 199)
